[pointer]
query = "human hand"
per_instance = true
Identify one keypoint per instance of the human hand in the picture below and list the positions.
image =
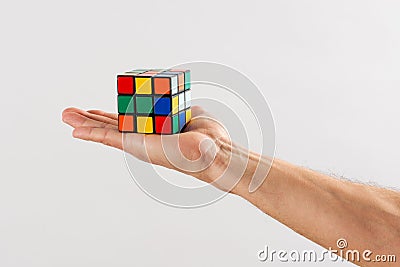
(202, 150)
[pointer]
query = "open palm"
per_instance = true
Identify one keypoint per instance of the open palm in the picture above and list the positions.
(199, 143)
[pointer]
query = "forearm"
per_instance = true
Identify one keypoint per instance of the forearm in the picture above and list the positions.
(324, 209)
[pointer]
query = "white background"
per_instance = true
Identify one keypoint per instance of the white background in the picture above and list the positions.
(329, 69)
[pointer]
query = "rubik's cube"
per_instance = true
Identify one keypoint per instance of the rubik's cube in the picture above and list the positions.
(154, 101)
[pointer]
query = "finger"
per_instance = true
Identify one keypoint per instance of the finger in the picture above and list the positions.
(144, 147)
(106, 136)
(197, 111)
(91, 116)
(130, 142)
(112, 116)
(78, 120)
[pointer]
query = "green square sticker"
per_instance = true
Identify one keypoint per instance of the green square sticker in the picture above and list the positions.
(125, 104)
(144, 104)
(175, 124)
(187, 80)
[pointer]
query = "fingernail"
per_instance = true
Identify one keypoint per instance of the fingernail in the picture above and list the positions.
(77, 134)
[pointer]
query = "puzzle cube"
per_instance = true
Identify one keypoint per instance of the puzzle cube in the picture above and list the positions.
(154, 101)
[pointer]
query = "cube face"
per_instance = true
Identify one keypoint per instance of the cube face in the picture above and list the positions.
(154, 101)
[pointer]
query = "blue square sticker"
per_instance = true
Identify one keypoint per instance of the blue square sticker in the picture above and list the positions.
(182, 120)
(162, 106)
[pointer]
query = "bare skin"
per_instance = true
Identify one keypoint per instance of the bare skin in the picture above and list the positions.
(317, 206)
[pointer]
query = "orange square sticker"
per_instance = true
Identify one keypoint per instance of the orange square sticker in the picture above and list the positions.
(125, 123)
(162, 85)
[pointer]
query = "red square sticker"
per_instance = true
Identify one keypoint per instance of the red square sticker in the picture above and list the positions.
(125, 85)
(163, 124)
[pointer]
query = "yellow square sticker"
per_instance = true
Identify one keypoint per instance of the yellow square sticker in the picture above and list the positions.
(175, 104)
(143, 85)
(188, 115)
(144, 124)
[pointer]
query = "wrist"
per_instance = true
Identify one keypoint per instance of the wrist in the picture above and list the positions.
(240, 171)
(253, 183)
